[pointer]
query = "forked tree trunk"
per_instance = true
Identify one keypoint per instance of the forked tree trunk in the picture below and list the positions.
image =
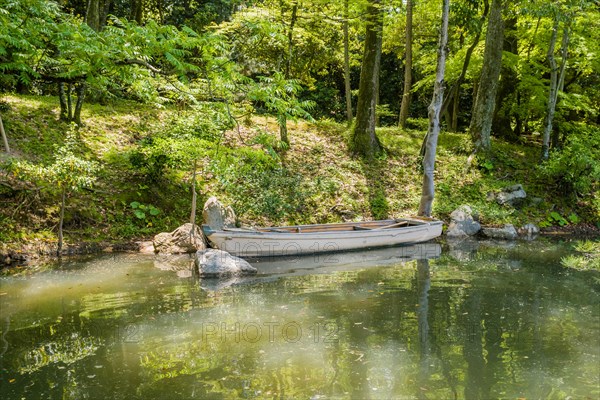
(4, 138)
(347, 87)
(407, 66)
(434, 118)
(555, 83)
(485, 102)
(364, 139)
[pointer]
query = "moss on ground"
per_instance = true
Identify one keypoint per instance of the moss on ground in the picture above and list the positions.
(315, 181)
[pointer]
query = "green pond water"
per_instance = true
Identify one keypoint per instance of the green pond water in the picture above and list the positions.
(473, 321)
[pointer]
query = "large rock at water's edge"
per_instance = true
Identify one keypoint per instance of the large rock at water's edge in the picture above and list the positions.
(511, 195)
(214, 263)
(508, 232)
(216, 215)
(181, 240)
(463, 223)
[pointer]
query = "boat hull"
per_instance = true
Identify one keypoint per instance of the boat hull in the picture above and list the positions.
(250, 243)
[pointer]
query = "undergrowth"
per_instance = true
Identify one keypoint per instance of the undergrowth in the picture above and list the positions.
(148, 158)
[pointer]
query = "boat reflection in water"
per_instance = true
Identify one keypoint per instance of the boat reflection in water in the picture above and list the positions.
(273, 268)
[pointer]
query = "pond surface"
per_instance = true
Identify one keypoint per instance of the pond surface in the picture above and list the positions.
(474, 321)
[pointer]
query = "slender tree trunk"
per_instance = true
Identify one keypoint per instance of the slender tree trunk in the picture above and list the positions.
(79, 104)
(364, 139)
(194, 195)
(4, 138)
(283, 132)
(434, 118)
(454, 93)
(407, 66)
(555, 83)
(485, 102)
(62, 98)
(69, 103)
(60, 222)
(347, 87)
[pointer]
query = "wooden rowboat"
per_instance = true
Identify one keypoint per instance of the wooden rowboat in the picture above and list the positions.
(309, 239)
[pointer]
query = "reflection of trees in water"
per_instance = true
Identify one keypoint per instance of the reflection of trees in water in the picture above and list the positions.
(423, 329)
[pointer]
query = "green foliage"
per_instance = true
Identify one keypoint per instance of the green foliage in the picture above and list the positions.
(586, 258)
(144, 212)
(68, 172)
(279, 96)
(575, 168)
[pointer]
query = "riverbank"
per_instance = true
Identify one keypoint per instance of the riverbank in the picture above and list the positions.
(143, 189)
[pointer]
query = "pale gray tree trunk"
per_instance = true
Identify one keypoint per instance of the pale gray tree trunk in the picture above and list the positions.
(364, 139)
(485, 102)
(556, 82)
(4, 138)
(407, 66)
(434, 118)
(348, 89)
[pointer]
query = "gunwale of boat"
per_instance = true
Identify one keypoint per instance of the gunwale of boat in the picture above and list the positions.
(342, 227)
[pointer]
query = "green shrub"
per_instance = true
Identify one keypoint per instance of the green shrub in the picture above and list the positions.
(575, 168)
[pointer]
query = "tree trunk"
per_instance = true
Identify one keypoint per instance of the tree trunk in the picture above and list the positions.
(60, 222)
(434, 118)
(282, 118)
(454, 93)
(194, 195)
(555, 83)
(348, 89)
(4, 138)
(137, 8)
(507, 86)
(485, 102)
(407, 66)
(283, 132)
(364, 139)
(290, 37)
(62, 98)
(92, 15)
(79, 104)
(69, 103)
(105, 10)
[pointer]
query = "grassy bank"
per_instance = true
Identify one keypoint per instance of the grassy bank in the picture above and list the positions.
(315, 181)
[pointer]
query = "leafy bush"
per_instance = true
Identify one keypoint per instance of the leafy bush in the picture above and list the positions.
(576, 166)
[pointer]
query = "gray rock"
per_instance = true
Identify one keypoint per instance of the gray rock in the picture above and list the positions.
(529, 231)
(179, 241)
(508, 232)
(511, 195)
(214, 263)
(463, 223)
(216, 215)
